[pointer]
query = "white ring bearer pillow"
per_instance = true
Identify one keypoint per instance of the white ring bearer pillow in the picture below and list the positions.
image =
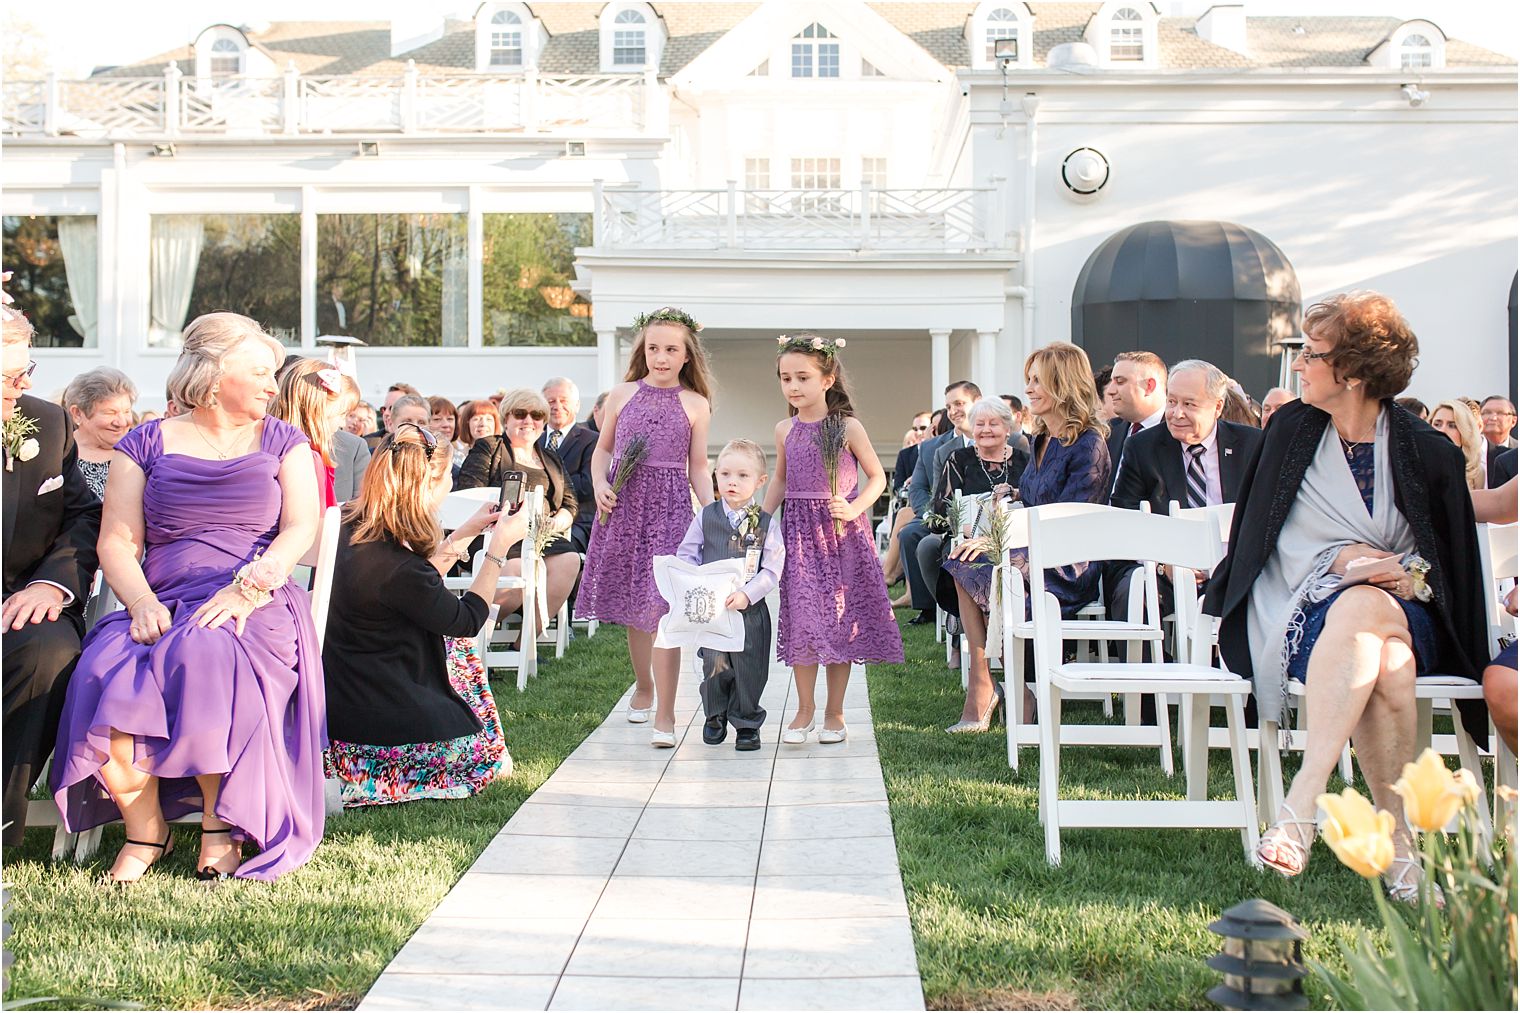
(697, 616)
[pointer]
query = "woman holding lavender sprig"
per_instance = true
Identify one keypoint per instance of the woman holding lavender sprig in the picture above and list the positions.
(650, 457)
(834, 607)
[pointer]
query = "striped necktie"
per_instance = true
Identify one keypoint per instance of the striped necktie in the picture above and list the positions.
(554, 437)
(1197, 485)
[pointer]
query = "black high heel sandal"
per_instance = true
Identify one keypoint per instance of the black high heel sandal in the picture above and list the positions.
(210, 873)
(166, 849)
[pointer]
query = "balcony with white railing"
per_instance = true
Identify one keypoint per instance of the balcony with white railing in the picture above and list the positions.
(172, 105)
(867, 220)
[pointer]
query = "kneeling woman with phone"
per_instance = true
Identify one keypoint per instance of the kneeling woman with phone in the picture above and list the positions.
(516, 461)
(409, 711)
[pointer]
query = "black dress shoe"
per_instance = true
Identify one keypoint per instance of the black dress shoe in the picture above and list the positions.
(715, 729)
(747, 739)
(924, 618)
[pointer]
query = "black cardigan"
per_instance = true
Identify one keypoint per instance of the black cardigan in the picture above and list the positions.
(1430, 490)
(491, 456)
(386, 675)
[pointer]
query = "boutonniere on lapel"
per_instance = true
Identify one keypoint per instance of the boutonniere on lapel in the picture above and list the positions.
(20, 445)
(1228, 451)
(749, 521)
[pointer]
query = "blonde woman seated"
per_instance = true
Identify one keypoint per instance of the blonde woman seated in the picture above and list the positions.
(523, 413)
(410, 710)
(1461, 426)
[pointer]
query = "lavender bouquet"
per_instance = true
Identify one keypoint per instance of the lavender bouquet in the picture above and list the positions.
(634, 455)
(831, 442)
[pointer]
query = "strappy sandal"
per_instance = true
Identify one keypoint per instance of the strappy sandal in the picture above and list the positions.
(1280, 848)
(1402, 881)
(210, 873)
(165, 849)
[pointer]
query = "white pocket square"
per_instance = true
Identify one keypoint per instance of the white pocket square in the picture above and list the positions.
(56, 482)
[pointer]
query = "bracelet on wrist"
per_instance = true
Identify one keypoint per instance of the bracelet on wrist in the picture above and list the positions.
(498, 560)
(145, 594)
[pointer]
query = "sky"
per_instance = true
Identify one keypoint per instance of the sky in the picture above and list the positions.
(81, 34)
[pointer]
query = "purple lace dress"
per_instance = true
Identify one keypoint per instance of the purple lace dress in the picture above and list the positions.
(834, 605)
(653, 512)
(203, 701)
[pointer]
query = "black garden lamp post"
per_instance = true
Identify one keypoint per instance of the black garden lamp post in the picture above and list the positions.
(1262, 958)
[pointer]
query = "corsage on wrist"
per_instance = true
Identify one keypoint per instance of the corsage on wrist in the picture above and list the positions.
(1418, 569)
(257, 581)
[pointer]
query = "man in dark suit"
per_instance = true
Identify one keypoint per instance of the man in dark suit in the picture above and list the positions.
(918, 544)
(352, 460)
(1501, 468)
(1498, 417)
(1194, 458)
(1017, 439)
(1137, 397)
(51, 523)
(574, 444)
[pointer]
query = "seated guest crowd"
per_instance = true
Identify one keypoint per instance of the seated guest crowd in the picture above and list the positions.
(209, 692)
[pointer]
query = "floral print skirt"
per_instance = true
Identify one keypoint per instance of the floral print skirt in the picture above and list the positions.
(453, 768)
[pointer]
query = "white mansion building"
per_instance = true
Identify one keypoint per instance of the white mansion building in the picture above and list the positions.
(489, 201)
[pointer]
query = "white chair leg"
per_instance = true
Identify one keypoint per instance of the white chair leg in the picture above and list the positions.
(1467, 750)
(89, 843)
(1424, 722)
(1013, 697)
(1505, 775)
(1194, 718)
(1164, 733)
(1240, 763)
(562, 630)
(63, 843)
(965, 661)
(1270, 778)
(1050, 773)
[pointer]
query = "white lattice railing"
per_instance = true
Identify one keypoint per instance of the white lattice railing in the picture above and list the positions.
(944, 220)
(173, 104)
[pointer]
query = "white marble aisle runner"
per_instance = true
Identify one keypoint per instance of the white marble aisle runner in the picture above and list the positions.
(694, 878)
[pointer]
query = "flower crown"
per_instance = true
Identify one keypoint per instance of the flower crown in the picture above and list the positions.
(827, 347)
(668, 315)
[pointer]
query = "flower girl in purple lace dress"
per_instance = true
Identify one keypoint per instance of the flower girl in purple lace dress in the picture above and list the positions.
(834, 605)
(651, 457)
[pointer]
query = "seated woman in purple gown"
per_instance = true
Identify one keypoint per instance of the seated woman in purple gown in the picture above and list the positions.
(206, 692)
(1068, 463)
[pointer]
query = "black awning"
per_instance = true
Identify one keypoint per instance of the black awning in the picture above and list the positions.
(1189, 289)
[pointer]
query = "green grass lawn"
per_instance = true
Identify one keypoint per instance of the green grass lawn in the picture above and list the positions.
(320, 935)
(1121, 923)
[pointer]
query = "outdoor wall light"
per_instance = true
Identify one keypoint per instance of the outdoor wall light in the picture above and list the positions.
(1084, 172)
(1262, 959)
(1415, 94)
(369, 149)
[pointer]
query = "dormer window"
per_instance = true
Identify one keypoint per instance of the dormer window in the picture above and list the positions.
(506, 39)
(1126, 36)
(815, 53)
(1002, 23)
(226, 58)
(628, 39)
(1416, 53)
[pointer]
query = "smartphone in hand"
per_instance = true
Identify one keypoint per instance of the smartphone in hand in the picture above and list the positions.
(512, 491)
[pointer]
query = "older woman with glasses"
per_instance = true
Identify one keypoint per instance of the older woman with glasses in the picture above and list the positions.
(410, 710)
(100, 404)
(1361, 572)
(523, 414)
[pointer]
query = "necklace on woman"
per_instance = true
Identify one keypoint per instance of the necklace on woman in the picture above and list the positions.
(1349, 446)
(220, 453)
(1002, 470)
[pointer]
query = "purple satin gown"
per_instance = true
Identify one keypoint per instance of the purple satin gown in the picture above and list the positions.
(651, 518)
(202, 701)
(834, 604)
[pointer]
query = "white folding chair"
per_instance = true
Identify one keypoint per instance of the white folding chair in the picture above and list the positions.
(1059, 541)
(458, 507)
(1143, 625)
(1502, 544)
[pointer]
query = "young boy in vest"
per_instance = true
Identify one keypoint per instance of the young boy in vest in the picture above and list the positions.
(733, 526)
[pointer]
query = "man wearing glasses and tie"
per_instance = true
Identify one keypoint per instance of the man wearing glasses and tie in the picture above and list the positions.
(574, 444)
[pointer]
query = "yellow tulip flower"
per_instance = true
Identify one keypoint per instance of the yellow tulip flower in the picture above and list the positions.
(1360, 836)
(1432, 794)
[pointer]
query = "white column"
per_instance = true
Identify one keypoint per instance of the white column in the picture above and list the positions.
(986, 361)
(939, 364)
(606, 359)
(475, 288)
(309, 294)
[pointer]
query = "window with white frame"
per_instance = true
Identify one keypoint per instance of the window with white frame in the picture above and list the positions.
(818, 181)
(54, 262)
(1126, 36)
(1001, 24)
(815, 53)
(629, 38)
(1416, 52)
(757, 177)
(226, 58)
(506, 40)
(873, 173)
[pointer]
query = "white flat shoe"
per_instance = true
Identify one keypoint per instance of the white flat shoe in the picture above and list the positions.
(639, 716)
(662, 740)
(831, 735)
(796, 736)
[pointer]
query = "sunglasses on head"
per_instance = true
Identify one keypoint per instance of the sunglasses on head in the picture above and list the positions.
(429, 441)
(523, 413)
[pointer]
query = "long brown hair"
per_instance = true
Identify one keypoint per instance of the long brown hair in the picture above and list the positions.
(395, 503)
(696, 375)
(306, 402)
(825, 352)
(1066, 374)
